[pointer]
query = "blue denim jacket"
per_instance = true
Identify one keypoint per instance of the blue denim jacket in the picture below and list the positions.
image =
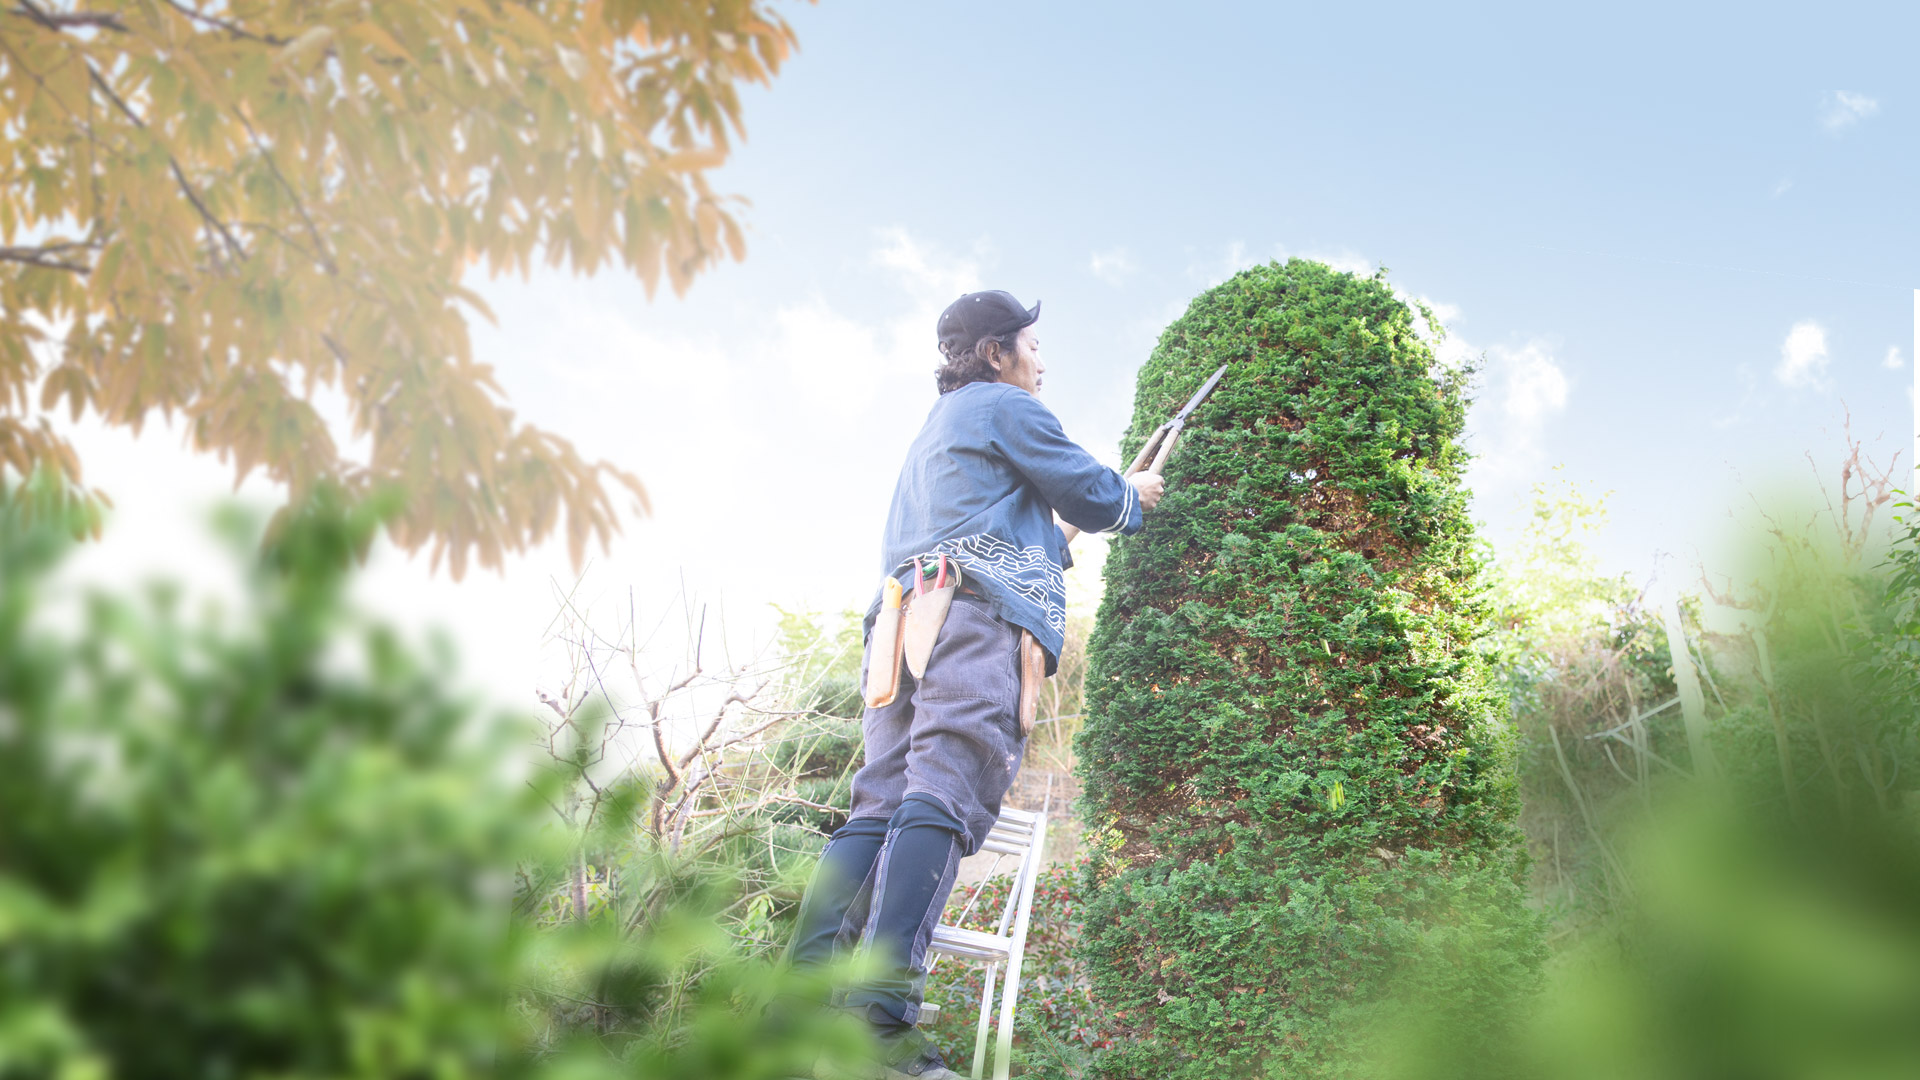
(981, 484)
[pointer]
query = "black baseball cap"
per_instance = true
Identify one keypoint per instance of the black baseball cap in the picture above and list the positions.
(982, 315)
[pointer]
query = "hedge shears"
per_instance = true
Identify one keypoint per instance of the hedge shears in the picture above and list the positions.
(1160, 443)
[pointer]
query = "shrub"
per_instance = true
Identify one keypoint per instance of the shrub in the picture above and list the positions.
(267, 843)
(1586, 668)
(272, 841)
(1768, 919)
(1296, 770)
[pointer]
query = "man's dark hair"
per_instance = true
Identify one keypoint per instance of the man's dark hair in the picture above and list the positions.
(972, 364)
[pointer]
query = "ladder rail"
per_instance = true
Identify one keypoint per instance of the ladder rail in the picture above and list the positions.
(1010, 993)
(1023, 833)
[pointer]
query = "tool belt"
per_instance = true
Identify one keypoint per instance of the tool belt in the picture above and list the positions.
(909, 624)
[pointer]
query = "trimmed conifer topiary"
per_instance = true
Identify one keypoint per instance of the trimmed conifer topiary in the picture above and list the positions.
(1297, 774)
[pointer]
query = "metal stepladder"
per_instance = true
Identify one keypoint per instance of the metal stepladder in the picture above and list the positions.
(1021, 835)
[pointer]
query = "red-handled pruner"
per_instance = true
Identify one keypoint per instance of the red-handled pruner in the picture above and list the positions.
(921, 573)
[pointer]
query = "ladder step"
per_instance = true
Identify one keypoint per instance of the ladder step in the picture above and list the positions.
(972, 944)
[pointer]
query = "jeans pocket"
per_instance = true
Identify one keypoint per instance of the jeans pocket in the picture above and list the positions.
(974, 657)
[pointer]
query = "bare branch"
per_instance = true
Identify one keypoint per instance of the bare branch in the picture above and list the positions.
(557, 812)
(278, 234)
(719, 717)
(765, 800)
(778, 718)
(660, 747)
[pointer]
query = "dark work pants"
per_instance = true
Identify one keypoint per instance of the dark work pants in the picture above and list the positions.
(938, 761)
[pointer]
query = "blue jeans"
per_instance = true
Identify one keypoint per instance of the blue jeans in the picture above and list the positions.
(938, 761)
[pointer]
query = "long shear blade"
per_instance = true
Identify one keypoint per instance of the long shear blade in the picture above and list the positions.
(1207, 388)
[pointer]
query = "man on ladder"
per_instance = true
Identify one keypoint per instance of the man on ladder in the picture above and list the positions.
(973, 606)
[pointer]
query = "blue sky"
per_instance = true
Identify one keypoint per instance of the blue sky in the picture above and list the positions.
(1682, 241)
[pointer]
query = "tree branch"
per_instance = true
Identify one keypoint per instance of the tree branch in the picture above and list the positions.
(719, 717)
(660, 749)
(58, 21)
(215, 224)
(47, 257)
(39, 79)
(280, 234)
(765, 800)
(299, 205)
(333, 347)
(215, 21)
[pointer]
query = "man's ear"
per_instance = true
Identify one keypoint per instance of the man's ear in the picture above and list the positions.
(991, 353)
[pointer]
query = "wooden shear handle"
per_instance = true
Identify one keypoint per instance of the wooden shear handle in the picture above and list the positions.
(1157, 447)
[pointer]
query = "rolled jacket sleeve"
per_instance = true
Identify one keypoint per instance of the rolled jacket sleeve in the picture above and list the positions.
(1087, 494)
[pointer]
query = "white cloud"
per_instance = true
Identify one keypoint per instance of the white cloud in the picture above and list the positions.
(1236, 258)
(1784, 185)
(1437, 330)
(731, 427)
(1535, 389)
(836, 363)
(1454, 352)
(1520, 394)
(1344, 260)
(1233, 260)
(1803, 356)
(1845, 109)
(1893, 360)
(1444, 313)
(1113, 266)
(1521, 389)
(929, 276)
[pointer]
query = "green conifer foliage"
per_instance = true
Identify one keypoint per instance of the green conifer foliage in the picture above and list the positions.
(1296, 771)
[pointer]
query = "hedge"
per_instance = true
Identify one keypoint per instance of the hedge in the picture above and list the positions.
(1297, 772)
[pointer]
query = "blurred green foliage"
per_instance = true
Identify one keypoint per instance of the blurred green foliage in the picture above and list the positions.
(270, 840)
(662, 982)
(1767, 925)
(1760, 923)
(1748, 947)
(266, 841)
(1894, 640)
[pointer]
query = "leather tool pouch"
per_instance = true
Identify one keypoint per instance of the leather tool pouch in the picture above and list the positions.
(883, 660)
(1033, 672)
(883, 670)
(926, 614)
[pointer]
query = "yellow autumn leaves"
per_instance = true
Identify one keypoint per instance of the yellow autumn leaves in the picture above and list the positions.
(211, 210)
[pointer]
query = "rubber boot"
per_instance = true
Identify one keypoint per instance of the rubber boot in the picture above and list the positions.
(834, 909)
(915, 873)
